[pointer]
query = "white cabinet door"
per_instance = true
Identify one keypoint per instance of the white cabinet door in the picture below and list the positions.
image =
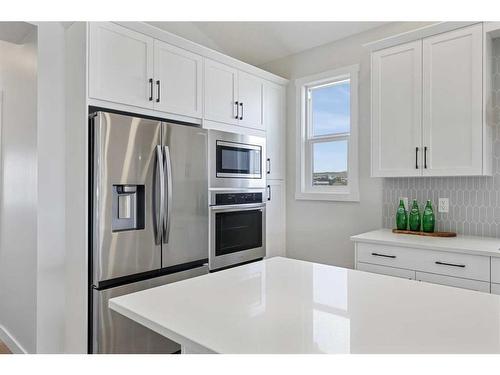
(220, 92)
(389, 271)
(495, 270)
(467, 266)
(452, 103)
(120, 65)
(495, 288)
(178, 80)
(274, 122)
(481, 286)
(250, 98)
(275, 219)
(396, 111)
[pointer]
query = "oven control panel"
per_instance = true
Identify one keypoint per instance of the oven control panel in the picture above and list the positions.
(222, 199)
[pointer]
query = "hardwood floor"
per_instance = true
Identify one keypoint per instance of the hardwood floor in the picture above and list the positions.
(4, 349)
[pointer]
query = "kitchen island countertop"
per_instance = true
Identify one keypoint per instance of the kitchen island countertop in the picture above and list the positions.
(283, 305)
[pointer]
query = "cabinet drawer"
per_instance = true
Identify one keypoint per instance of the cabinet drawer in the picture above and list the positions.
(495, 270)
(495, 288)
(467, 266)
(383, 270)
(480, 286)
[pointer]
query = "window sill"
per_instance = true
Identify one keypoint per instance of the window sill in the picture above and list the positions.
(326, 196)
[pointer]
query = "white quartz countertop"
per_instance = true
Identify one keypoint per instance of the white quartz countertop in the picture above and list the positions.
(282, 305)
(488, 246)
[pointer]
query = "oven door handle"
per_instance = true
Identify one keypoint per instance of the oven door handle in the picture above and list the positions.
(238, 207)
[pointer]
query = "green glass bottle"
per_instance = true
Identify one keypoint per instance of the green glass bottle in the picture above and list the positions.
(428, 219)
(414, 218)
(401, 216)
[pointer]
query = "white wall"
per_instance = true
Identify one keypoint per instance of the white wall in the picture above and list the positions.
(319, 231)
(18, 224)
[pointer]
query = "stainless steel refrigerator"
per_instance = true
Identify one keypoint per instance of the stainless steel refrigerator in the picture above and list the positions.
(149, 220)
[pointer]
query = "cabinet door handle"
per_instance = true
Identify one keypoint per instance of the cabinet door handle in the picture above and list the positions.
(268, 166)
(384, 255)
(159, 89)
(268, 192)
(241, 116)
(450, 264)
(416, 157)
(151, 89)
(237, 110)
(425, 157)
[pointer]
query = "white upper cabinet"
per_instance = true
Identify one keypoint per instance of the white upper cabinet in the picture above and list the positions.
(452, 103)
(232, 96)
(178, 80)
(274, 122)
(427, 107)
(250, 100)
(165, 76)
(121, 65)
(396, 110)
(221, 94)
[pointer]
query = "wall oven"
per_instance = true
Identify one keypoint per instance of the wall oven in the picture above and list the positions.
(237, 227)
(236, 160)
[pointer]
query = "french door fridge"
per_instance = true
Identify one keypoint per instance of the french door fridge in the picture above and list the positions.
(149, 220)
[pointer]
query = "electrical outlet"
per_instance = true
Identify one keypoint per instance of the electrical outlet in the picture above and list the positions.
(444, 205)
(405, 202)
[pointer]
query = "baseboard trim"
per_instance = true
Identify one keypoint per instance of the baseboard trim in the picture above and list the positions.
(11, 342)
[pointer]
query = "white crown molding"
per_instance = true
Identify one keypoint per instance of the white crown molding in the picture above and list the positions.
(409, 36)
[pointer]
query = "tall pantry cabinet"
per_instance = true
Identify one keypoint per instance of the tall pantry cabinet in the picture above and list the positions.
(274, 121)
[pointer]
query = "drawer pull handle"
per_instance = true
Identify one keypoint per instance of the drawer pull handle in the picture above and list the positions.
(383, 255)
(450, 264)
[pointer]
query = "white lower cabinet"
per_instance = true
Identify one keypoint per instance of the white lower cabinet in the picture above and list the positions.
(458, 282)
(474, 267)
(389, 271)
(275, 219)
(495, 270)
(467, 271)
(495, 288)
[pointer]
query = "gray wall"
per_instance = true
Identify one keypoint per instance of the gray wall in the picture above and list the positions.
(474, 201)
(18, 202)
(319, 230)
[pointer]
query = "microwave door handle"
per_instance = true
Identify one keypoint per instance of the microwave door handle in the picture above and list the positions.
(159, 193)
(168, 200)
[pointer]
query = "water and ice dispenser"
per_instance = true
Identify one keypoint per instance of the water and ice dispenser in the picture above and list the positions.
(128, 207)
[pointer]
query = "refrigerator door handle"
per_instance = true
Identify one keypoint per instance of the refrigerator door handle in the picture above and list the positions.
(159, 191)
(168, 201)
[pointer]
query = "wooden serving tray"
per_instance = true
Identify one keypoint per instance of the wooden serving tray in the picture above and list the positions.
(433, 234)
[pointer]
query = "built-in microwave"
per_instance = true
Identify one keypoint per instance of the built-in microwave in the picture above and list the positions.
(236, 160)
(237, 227)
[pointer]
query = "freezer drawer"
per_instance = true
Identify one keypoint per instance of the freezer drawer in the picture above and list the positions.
(115, 334)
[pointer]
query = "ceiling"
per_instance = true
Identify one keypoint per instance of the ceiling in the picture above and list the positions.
(258, 43)
(15, 32)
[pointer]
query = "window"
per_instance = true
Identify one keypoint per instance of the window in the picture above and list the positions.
(327, 157)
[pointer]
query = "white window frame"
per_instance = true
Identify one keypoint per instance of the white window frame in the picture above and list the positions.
(304, 189)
